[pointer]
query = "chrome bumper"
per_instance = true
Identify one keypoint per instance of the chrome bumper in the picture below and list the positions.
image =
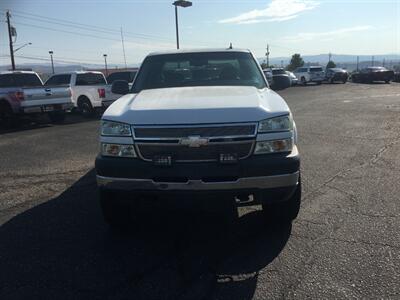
(264, 182)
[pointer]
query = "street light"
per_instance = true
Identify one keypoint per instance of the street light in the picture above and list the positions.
(181, 3)
(52, 63)
(105, 63)
(24, 45)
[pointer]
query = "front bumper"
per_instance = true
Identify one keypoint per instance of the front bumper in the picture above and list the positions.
(247, 183)
(274, 172)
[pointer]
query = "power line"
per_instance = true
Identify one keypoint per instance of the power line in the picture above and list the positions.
(84, 26)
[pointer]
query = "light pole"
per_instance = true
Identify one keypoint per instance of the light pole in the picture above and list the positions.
(24, 45)
(105, 63)
(51, 57)
(181, 3)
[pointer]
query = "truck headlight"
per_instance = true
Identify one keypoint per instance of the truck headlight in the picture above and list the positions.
(117, 150)
(283, 123)
(276, 146)
(109, 128)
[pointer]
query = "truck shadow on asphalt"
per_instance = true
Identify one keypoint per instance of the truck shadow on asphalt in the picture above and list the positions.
(35, 124)
(62, 249)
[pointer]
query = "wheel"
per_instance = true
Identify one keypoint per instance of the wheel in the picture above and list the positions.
(85, 107)
(303, 81)
(344, 81)
(116, 214)
(7, 117)
(319, 82)
(284, 212)
(57, 116)
(387, 81)
(331, 80)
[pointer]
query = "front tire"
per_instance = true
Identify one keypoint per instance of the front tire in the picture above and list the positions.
(115, 213)
(7, 117)
(284, 212)
(303, 81)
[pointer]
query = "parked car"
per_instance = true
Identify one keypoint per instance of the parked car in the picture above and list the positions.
(310, 74)
(22, 94)
(128, 76)
(89, 89)
(293, 78)
(268, 75)
(372, 74)
(396, 77)
(280, 79)
(336, 74)
(213, 127)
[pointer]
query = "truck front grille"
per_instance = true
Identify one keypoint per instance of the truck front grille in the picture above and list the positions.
(210, 152)
(232, 139)
(203, 131)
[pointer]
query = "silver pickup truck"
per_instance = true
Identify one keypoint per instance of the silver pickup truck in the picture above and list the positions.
(22, 94)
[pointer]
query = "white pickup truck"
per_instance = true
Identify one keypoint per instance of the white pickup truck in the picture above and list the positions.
(89, 89)
(199, 122)
(22, 94)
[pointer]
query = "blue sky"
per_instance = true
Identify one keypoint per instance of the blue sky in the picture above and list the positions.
(289, 26)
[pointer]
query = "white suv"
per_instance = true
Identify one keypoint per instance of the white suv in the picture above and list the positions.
(309, 74)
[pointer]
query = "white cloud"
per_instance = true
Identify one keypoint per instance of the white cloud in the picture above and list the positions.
(276, 11)
(325, 36)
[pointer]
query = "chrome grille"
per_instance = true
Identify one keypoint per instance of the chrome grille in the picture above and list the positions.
(203, 131)
(156, 141)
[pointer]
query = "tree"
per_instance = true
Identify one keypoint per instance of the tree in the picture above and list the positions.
(295, 62)
(331, 64)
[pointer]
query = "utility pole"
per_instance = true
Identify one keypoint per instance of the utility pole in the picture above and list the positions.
(373, 60)
(267, 55)
(52, 62)
(105, 63)
(384, 61)
(123, 48)
(358, 62)
(282, 64)
(11, 42)
(330, 57)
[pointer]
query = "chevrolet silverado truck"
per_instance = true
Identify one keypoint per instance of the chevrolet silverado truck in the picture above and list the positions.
(22, 94)
(199, 122)
(89, 90)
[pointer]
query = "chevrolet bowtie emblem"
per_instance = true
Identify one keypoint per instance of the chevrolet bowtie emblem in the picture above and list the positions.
(193, 141)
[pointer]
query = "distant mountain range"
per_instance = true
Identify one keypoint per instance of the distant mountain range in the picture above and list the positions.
(342, 60)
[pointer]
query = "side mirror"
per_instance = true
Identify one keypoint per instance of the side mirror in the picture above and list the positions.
(120, 87)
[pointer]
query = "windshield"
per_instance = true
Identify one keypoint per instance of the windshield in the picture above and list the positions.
(19, 80)
(278, 72)
(318, 69)
(127, 76)
(199, 69)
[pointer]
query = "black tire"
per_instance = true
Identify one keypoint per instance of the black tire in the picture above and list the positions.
(57, 116)
(85, 107)
(115, 213)
(284, 212)
(7, 117)
(319, 82)
(344, 81)
(303, 81)
(387, 81)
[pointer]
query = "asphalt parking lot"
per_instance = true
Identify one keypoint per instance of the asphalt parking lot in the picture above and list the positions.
(344, 244)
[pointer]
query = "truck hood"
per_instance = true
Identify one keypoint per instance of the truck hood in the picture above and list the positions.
(197, 105)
